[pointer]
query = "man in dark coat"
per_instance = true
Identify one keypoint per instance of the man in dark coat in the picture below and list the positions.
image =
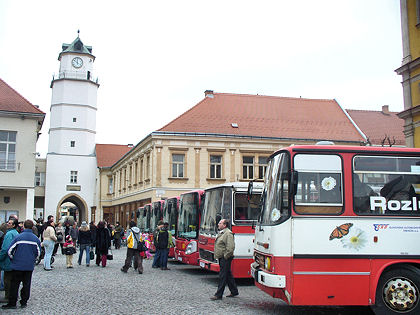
(103, 243)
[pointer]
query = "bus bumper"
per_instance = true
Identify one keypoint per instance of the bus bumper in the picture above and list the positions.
(267, 279)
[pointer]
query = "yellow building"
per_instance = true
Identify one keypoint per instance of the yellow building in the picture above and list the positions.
(410, 70)
(224, 138)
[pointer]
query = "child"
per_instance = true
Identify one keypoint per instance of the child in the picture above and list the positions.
(145, 237)
(69, 250)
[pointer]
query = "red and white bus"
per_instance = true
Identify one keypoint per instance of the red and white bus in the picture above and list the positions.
(170, 215)
(189, 216)
(230, 201)
(340, 225)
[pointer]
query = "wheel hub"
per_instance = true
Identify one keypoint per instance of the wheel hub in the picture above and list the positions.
(401, 294)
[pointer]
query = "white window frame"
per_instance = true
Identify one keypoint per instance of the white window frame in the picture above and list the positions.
(214, 166)
(8, 163)
(248, 166)
(73, 177)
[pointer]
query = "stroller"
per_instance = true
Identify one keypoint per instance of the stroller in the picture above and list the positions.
(41, 256)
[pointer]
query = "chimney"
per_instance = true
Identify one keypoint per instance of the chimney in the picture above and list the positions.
(130, 145)
(209, 93)
(385, 110)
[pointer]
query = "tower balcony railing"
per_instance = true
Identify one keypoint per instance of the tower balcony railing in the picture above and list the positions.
(76, 75)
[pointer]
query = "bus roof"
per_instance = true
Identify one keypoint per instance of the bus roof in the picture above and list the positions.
(240, 185)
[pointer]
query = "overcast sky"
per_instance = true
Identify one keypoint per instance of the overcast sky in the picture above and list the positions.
(155, 59)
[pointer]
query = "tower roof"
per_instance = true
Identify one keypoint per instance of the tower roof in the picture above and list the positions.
(76, 46)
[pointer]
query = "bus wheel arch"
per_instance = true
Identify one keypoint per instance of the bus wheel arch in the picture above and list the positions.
(398, 290)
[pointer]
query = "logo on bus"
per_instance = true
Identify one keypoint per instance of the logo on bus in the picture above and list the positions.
(378, 227)
(394, 205)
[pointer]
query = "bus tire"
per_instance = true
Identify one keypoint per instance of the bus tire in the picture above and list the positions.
(398, 291)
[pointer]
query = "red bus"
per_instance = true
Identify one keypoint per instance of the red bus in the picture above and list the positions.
(230, 201)
(189, 216)
(170, 215)
(340, 225)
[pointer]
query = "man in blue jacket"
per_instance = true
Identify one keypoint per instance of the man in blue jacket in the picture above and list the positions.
(23, 251)
(12, 226)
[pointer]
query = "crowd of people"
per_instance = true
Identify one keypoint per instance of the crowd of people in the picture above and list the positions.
(44, 239)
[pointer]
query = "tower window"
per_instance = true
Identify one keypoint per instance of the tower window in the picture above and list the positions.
(74, 119)
(73, 177)
(72, 144)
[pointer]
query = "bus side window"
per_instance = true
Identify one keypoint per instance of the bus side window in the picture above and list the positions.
(361, 195)
(398, 188)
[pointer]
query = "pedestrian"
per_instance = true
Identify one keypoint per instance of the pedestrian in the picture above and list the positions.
(50, 218)
(134, 237)
(156, 258)
(164, 243)
(59, 232)
(103, 243)
(223, 251)
(23, 251)
(84, 240)
(148, 245)
(5, 263)
(49, 241)
(3, 231)
(69, 251)
(74, 231)
(117, 235)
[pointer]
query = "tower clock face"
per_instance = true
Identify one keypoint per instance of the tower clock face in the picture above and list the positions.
(77, 62)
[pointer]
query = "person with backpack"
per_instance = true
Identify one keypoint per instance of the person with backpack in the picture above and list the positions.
(133, 239)
(164, 242)
(5, 263)
(156, 258)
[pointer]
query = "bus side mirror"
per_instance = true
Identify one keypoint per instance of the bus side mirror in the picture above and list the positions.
(250, 189)
(293, 182)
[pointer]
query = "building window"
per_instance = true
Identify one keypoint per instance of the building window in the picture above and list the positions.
(8, 150)
(178, 165)
(141, 170)
(418, 12)
(215, 166)
(73, 177)
(111, 185)
(72, 144)
(262, 166)
(74, 119)
(39, 179)
(248, 167)
(147, 166)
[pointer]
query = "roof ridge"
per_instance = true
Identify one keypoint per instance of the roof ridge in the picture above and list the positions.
(21, 96)
(273, 96)
(369, 110)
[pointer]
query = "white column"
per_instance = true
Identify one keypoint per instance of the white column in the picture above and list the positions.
(30, 201)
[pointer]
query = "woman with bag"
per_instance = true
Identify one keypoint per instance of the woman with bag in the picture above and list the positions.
(84, 240)
(49, 242)
(59, 232)
(103, 243)
(134, 248)
(69, 250)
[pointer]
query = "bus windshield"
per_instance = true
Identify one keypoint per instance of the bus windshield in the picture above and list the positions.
(246, 212)
(275, 199)
(147, 219)
(212, 208)
(156, 215)
(170, 213)
(188, 216)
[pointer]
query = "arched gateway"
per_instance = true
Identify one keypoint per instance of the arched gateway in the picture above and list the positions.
(80, 213)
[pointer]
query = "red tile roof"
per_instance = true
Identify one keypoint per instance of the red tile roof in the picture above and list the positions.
(12, 101)
(376, 125)
(267, 116)
(108, 154)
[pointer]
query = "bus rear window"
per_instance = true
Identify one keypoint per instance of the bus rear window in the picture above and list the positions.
(384, 185)
(319, 185)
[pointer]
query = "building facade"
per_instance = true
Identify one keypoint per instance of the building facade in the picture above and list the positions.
(410, 70)
(224, 138)
(20, 124)
(71, 161)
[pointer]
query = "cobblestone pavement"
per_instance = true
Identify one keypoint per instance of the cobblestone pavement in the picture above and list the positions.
(182, 290)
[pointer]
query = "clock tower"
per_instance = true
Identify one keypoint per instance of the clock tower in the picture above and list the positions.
(71, 160)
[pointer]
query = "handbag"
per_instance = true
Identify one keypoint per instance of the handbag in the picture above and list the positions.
(70, 250)
(91, 255)
(141, 245)
(110, 256)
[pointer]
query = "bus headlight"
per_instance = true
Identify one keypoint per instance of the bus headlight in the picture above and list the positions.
(267, 263)
(191, 248)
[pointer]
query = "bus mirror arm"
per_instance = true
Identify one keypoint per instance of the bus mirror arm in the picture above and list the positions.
(293, 182)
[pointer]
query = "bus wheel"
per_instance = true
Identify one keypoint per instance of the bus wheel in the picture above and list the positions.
(398, 292)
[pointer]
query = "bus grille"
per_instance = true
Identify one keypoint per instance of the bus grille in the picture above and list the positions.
(207, 255)
(260, 259)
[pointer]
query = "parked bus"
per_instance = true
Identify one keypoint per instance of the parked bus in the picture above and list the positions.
(340, 225)
(140, 218)
(230, 201)
(170, 215)
(189, 216)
